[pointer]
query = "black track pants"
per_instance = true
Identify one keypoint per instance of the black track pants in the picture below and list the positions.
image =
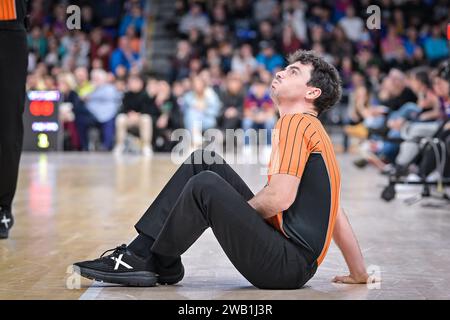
(206, 192)
(13, 71)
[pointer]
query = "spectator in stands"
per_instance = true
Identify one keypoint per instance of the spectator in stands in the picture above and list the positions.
(216, 77)
(195, 66)
(124, 56)
(341, 46)
(183, 57)
(134, 114)
(262, 9)
(382, 148)
(357, 97)
(52, 59)
(359, 110)
(57, 22)
(84, 86)
(103, 103)
(418, 120)
(195, 18)
(87, 19)
(321, 17)
(169, 116)
(78, 52)
(391, 45)
(352, 25)
(289, 42)
(37, 42)
(108, 14)
(232, 97)
(318, 35)
(441, 86)
(219, 14)
(411, 42)
(226, 56)
(427, 160)
(212, 57)
(373, 73)
(135, 40)
(101, 46)
(37, 13)
(394, 91)
(436, 46)
(133, 18)
(268, 58)
(294, 15)
(201, 107)
(266, 33)
(346, 71)
(427, 106)
(71, 106)
(259, 112)
(244, 62)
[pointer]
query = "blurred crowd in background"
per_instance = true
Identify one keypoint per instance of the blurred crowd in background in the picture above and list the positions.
(395, 78)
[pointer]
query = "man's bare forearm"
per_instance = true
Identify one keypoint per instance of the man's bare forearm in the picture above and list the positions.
(345, 239)
(265, 203)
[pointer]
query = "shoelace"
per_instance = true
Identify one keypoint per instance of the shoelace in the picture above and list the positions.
(115, 250)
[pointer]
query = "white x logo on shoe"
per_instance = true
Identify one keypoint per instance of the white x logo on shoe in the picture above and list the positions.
(5, 221)
(120, 262)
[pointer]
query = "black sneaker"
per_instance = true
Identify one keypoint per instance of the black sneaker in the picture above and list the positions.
(360, 163)
(6, 222)
(171, 274)
(120, 267)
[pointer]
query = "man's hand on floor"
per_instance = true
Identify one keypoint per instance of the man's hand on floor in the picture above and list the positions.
(356, 279)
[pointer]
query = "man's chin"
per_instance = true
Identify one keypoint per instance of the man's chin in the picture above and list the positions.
(274, 95)
(272, 92)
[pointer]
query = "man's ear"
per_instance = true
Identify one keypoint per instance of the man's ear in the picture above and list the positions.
(313, 93)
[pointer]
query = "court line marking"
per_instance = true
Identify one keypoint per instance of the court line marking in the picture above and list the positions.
(92, 292)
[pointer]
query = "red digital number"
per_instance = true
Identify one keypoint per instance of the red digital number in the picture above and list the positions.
(42, 108)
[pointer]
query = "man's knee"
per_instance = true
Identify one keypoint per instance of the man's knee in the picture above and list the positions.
(121, 121)
(206, 184)
(207, 179)
(121, 117)
(202, 156)
(145, 118)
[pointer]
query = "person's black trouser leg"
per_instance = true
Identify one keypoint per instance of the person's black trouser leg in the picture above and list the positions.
(13, 69)
(154, 218)
(217, 197)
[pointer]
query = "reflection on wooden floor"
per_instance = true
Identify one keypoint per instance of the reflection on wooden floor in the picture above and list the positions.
(71, 207)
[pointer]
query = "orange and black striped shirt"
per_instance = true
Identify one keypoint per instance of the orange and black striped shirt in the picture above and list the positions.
(301, 147)
(8, 10)
(13, 14)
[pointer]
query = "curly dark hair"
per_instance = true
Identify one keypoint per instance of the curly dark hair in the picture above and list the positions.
(323, 76)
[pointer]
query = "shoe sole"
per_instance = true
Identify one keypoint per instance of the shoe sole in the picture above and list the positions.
(132, 279)
(172, 279)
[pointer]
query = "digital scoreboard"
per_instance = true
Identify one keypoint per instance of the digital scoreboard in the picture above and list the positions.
(42, 131)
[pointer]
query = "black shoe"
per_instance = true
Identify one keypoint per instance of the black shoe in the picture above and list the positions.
(172, 274)
(400, 171)
(6, 222)
(361, 163)
(120, 267)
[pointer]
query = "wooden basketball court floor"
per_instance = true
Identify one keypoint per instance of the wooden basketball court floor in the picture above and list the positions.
(73, 206)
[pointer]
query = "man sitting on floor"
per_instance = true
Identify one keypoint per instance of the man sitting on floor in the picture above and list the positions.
(277, 238)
